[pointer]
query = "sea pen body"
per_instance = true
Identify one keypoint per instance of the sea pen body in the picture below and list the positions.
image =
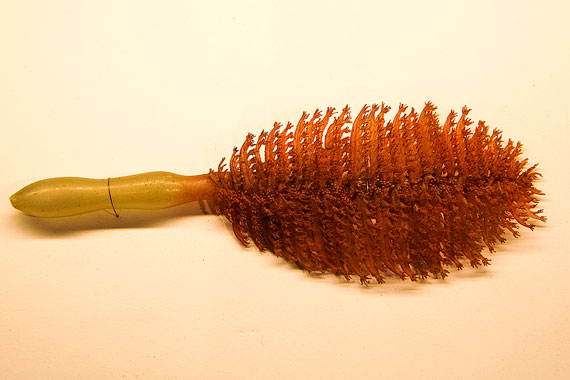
(365, 197)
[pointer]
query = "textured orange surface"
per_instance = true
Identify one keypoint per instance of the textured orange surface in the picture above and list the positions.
(408, 196)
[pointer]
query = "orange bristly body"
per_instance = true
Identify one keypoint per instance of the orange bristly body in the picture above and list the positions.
(369, 197)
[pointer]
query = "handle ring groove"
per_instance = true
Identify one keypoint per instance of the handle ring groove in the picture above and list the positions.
(110, 197)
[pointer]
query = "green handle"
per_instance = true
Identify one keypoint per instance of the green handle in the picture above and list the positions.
(66, 196)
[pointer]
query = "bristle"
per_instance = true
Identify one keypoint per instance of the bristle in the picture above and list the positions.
(371, 197)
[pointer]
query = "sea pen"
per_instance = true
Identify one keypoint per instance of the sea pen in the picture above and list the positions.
(366, 197)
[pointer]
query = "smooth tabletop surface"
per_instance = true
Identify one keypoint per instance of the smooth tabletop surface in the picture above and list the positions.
(109, 88)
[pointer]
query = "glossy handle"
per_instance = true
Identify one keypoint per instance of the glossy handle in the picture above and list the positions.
(66, 196)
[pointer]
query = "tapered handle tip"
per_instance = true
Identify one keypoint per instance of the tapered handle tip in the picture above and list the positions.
(14, 201)
(25, 201)
(63, 196)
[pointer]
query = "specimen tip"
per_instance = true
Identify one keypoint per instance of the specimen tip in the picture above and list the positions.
(14, 201)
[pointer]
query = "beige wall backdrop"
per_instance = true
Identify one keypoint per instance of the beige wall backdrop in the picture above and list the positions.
(110, 88)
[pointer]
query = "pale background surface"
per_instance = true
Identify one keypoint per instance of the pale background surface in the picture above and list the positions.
(110, 88)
